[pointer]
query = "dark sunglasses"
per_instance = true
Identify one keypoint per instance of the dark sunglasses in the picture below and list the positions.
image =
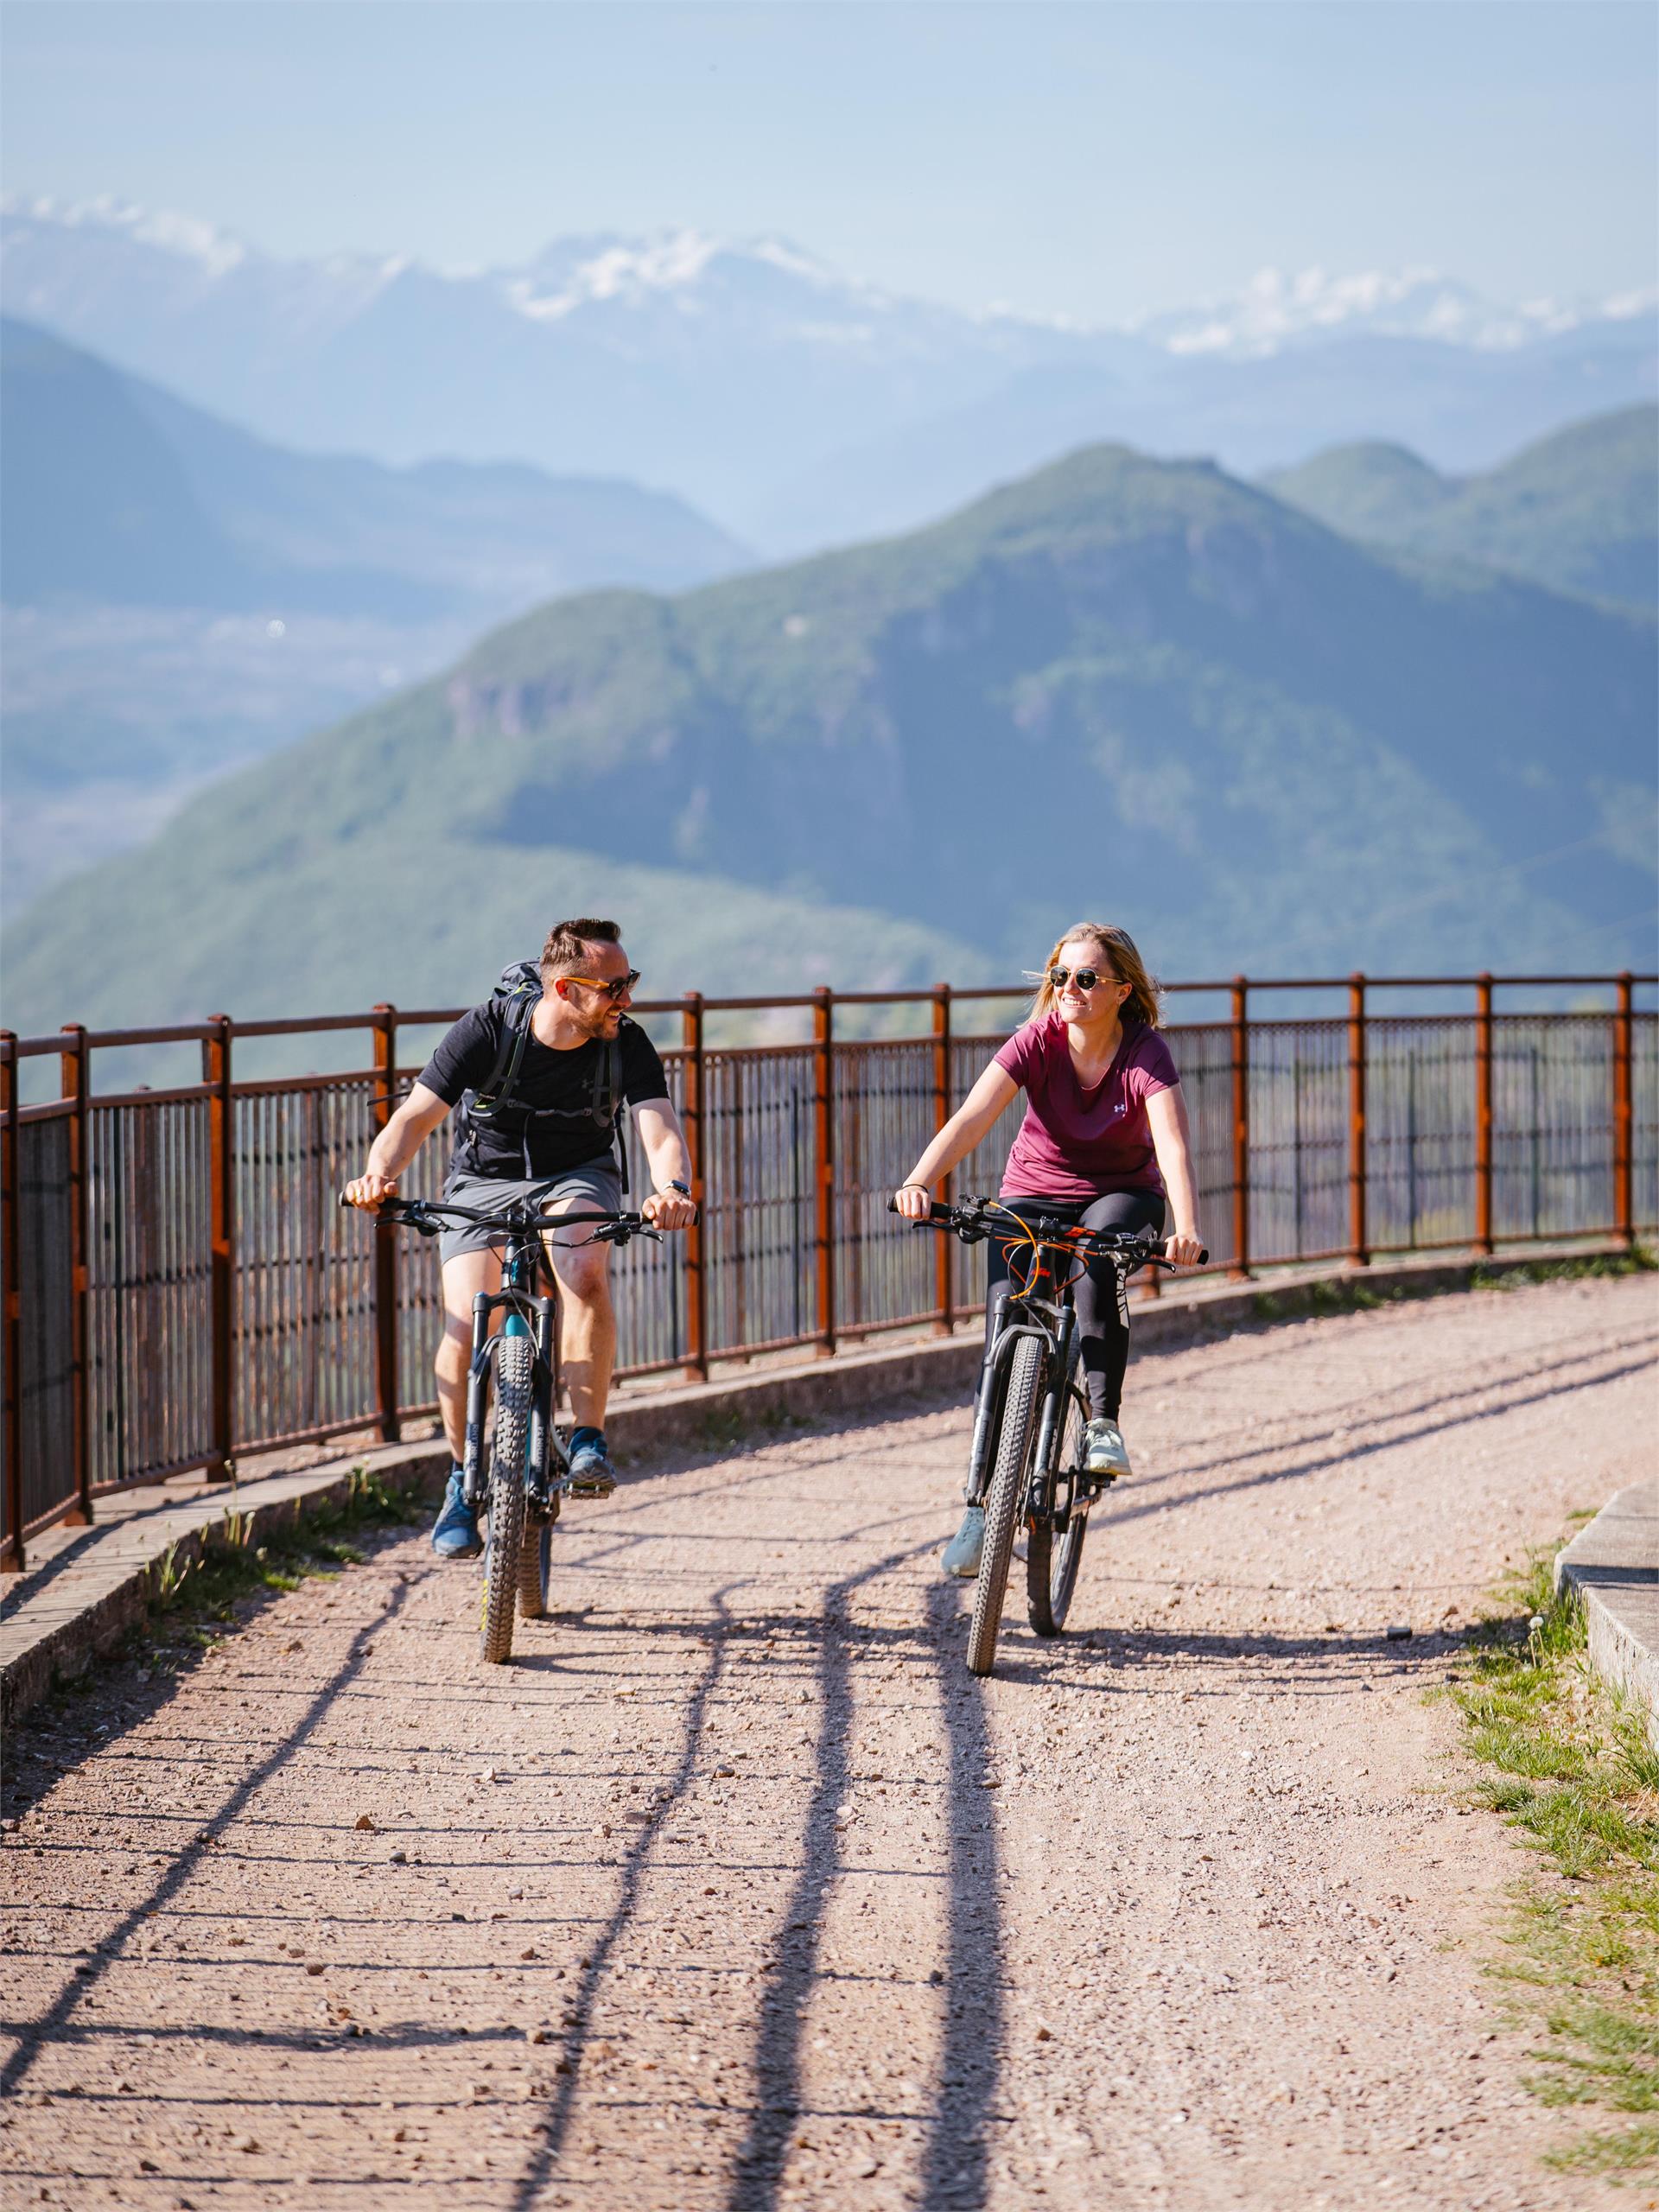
(622, 983)
(1084, 978)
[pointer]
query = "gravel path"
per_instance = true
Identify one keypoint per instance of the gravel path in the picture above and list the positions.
(734, 1891)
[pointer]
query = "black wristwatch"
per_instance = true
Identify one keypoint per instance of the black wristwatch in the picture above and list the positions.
(684, 1189)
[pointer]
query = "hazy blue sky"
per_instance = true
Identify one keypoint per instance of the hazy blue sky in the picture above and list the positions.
(1098, 159)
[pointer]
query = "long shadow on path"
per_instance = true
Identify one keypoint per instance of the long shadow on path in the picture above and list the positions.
(955, 2159)
(556, 2127)
(956, 2165)
(33, 2037)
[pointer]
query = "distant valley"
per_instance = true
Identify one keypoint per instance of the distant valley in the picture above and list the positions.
(181, 596)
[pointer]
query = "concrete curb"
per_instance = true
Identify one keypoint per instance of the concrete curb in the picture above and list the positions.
(1611, 1569)
(76, 1606)
(54, 1633)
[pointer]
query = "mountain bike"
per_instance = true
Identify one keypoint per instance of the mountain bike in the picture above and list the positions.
(529, 1468)
(1027, 1458)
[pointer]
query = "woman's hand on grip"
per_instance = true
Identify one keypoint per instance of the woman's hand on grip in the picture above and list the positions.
(1184, 1248)
(913, 1200)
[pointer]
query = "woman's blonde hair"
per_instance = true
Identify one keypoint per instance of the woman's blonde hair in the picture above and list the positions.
(1145, 1001)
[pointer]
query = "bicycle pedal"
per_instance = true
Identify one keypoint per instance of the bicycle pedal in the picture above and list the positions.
(588, 1486)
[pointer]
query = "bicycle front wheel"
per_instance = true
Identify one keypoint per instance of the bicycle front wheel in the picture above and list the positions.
(1004, 1499)
(1052, 1564)
(515, 1363)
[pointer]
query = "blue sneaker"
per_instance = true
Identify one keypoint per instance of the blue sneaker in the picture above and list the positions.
(591, 1472)
(454, 1533)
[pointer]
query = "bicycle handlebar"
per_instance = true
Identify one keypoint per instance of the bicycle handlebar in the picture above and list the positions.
(973, 1222)
(422, 1214)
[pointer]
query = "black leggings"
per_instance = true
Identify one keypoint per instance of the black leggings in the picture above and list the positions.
(1103, 1330)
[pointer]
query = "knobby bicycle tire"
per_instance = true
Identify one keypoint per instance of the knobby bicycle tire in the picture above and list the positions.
(1004, 1499)
(1051, 1568)
(515, 1361)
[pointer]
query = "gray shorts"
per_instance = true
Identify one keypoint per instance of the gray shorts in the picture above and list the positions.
(593, 1187)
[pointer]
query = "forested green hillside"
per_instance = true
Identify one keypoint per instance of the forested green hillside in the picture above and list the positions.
(1135, 690)
(1579, 510)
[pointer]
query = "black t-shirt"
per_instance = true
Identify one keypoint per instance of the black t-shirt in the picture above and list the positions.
(467, 1059)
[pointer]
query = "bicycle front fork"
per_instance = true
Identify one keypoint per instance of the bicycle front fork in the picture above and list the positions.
(474, 1479)
(985, 1416)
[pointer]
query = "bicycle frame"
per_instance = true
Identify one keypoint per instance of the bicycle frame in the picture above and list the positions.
(1015, 1474)
(530, 1313)
(1020, 1314)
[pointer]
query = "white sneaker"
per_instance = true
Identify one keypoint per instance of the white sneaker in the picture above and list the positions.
(1104, 1452)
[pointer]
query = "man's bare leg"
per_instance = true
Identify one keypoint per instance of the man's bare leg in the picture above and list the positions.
(587, 1326)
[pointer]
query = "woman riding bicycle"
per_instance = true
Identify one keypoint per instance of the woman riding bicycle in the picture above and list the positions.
(1104, 1144)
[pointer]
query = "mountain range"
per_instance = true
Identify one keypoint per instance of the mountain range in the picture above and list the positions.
(797, 406)
(116, 491)
(1579, 510)
(1121, 686)
(181, 595)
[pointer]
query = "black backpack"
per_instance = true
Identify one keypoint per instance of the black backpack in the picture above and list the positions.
(493, 1104)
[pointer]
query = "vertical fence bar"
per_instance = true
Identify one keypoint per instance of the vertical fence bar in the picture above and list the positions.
(75, 1086)
(945, 1320)
(386, 1236)
(1240, 1129)
(1359, 1250)
(823, 1148)
(696, 1285)
(1623, 1114)
(11, 1553)
(1483, 1112)
(221, 1176)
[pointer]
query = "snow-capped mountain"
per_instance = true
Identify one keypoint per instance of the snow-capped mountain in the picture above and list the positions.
(742, 372)
(1277, 309)
(116, 270)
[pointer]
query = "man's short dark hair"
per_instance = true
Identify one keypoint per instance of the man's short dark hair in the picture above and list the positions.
(568, 942)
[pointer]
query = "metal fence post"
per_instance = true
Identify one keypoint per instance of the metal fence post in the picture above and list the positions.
(1623, 1114)
(696, 1285)
(221, 1138)
(1359, 1249)
(1241, 1267)
(11, 1552)
(386, 1329)
(824, 1063)
(1483, 1112)
(945, 1320)
(75, 1086)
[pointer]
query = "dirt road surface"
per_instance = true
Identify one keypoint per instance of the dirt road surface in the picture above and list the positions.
(734, 1891)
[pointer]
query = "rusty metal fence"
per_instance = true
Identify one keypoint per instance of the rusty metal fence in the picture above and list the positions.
(181, 1287)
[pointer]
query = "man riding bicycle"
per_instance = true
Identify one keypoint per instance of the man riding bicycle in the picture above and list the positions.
(540, 1074)
(1104, 1144)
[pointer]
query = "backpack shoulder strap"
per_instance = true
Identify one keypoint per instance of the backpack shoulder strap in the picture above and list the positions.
(515, 1006)
(608, 1100)
(608, 1111)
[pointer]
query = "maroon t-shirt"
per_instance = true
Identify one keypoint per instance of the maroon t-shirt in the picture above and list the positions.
(1079, 1144)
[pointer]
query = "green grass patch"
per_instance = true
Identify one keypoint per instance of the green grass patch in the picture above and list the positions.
(1571, 1765)
(1345, 1294)
(198, 1595)
(1353, 1293)
(724, 1429)
(1640, 1260)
